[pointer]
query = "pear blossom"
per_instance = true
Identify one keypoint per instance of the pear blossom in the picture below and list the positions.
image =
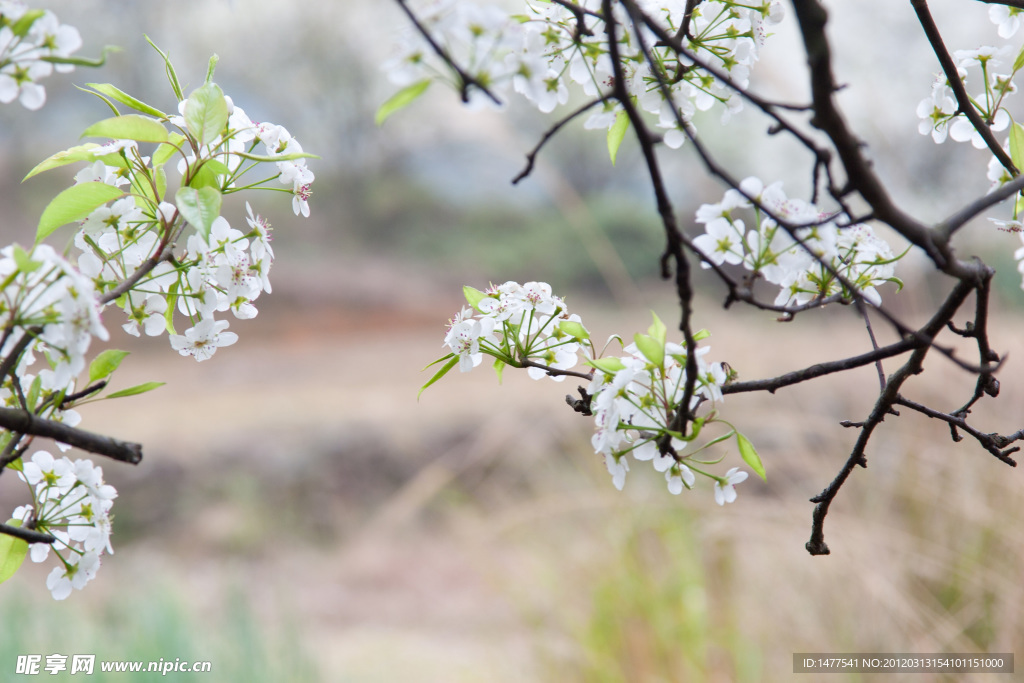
(202, 340)
(725, 488)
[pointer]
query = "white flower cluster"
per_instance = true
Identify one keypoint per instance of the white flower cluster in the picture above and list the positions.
(42, 290)
(938, 112)
(541, 52)
(634, 398)
(27, 37)
(223, 270)
(516, 324)
(70, 502)
(766, 248)
(242, 136)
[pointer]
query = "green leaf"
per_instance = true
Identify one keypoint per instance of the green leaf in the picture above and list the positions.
(12, 552)
(167, 150)
(74, 204)
(32, 400)
(172, 77)
(211, 67)
(574, 329)
(200, 207)
(172, 305)
(276, 157)
(1018, 63)
(701, 335)
(209, 174)
(24, 23)
(137, 389)
(657, 330)
(616, 134)
(23, 261)
(439, 374)
(119, 95)
(401, 99)
(128, 127)
(609, 365)
(652, 349)
(68, 156)
(1017, 145)
(473, 296)
(82, 61)
(106, 100)
(749, 455)
(17, 465)
(206, 113)
(499, 368)
(103, 365)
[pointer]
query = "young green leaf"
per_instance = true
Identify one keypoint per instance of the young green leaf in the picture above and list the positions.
(609, 365)
(499, 368)
(68, 156)
(12, 552)
(209, 174)
(439, 374)
(137, 389)
(277, 157)
(1018, 63)
(172, 77)
(128, 127)
(616, 134)
(172, 305)
(473, 296)
(401, 99)
(749, 455)
(701, 335)
(653, 350)
(23, 261)
(103, 365)
(206, 113)
(119, 95)
(658, 329)
(34, 391)
(574, 329)
(210, 69)
(24, 23)
(1017, 145)
(200, 207)
(74, 204)
(167, 150)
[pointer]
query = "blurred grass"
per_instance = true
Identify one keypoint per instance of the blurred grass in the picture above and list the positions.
(145, 625)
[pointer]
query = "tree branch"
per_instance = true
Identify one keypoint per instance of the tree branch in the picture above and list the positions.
(25, 422)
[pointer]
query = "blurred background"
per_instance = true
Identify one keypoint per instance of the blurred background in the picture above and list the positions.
(299, 516)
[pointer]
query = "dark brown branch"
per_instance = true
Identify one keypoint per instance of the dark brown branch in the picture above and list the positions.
(949, 226)
(166, 254)
(883, 406)
(24, 422)
(1009, 3)
(822, 369)
(674, 247)
(860, 176)
(27, 535)
(993, 443)
(532, 156)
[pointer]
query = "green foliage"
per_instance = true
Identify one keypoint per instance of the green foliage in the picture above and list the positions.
(104, 364)
(200, 207)
(74, 204)
(12, 552)
(401, 99)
